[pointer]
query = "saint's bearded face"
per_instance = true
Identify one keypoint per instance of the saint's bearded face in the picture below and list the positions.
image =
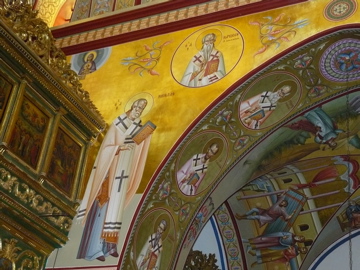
(137, 109)
(212, 151)
(159, 232)
(284, 91)
(208, 46)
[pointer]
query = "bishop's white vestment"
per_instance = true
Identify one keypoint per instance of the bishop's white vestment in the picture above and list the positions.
(255, 110)
(150, 255)
(191, 174)
(113, 182)
(200, 72)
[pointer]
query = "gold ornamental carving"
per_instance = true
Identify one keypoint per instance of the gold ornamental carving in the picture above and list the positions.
(14, 257)
(36, 34)
(198, 260)
(37, 202)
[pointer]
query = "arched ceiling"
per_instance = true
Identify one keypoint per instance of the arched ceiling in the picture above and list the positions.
(284, 155)
(48, 10)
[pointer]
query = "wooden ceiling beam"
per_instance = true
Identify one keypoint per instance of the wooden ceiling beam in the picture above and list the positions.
(71, 37)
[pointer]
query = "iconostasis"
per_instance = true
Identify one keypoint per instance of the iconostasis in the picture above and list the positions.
(252, 122)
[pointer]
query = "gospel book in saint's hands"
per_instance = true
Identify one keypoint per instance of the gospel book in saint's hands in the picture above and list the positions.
(257, 115)
(144, 132)
(152, 261)
(211, 67)
(193, 179)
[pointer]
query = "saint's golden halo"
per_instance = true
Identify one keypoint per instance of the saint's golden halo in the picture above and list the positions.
(141, 95)
(219, 142)
(217, 32)
(293, 86)
(165, 217)
(87, 54)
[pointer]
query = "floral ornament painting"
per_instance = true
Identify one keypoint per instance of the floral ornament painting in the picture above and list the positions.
(145, 61)
(275, 31)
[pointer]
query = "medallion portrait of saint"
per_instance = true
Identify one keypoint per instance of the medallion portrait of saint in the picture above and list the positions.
(206, 66)
(196, 170)
(209, 56)
(268, 100)
(89, 65)
(154, 241)
(89, 62)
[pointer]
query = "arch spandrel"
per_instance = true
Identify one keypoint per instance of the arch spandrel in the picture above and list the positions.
(250, 151)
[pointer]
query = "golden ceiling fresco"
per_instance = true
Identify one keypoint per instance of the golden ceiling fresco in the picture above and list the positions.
(309, 154)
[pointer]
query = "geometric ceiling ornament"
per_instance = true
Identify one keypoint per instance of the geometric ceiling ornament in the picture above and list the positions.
(338, 10)
(341, 61)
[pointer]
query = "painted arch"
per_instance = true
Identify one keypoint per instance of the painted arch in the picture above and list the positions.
(291, 153)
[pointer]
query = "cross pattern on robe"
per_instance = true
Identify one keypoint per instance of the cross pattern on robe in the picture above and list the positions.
(121, 178)
(269, 107)
(158, 248)
(197, 59)
(196, 159)
(202, 169)
(136, 125)
(214, 56)
(264, 96)
(121, 121)
(154, 243)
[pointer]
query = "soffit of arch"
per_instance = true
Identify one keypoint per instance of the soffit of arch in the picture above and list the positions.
(248, 154)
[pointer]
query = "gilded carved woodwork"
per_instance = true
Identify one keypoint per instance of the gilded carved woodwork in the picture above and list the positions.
(43, 242)
(14, 256)
(48, 125)
(198, 260)
(36, 34)
(29, 198)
